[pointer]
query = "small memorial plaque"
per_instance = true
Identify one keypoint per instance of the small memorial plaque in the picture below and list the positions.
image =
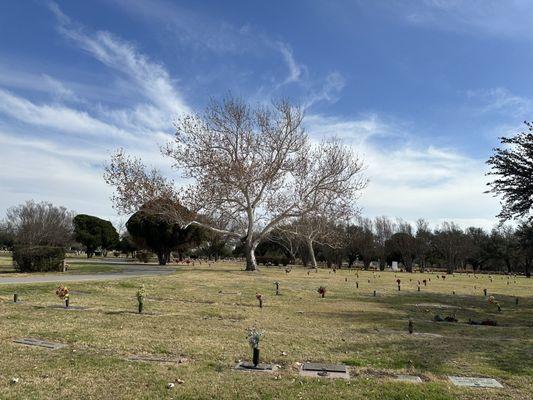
(324, 367)
(468, 381)
(40, 343)
(409, 378)
(248, 366)
(69, 308)
(319, 370)
(156, 359)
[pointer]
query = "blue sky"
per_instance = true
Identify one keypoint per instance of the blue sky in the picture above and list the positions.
(421, 89)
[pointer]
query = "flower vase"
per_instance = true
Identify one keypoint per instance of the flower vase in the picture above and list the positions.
(255, 360)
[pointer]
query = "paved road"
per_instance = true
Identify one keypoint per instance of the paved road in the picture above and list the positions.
(131, 271)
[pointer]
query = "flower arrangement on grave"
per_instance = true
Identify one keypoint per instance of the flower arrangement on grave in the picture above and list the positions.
(425, 282)
(492, 300)
(259, 297)
(141, 294)
(63, 293)
(398, 282)
(254, 337)
(322, 291)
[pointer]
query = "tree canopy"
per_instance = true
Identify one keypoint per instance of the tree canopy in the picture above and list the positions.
(95, 233)
(160, 233)
(512, 166)
(251, 169)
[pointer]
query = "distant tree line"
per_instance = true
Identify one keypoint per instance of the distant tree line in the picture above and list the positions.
(382, 240)
(39, 234)
(43, 228)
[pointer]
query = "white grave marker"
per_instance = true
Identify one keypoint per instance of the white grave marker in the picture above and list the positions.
(467, 381)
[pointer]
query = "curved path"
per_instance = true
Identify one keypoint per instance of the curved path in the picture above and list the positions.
(130, 271)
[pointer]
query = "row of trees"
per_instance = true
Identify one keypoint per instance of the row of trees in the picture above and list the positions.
(383, 240)
(45, 226)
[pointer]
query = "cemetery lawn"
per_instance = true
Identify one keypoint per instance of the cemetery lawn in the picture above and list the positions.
(187, 316)
(78, 267)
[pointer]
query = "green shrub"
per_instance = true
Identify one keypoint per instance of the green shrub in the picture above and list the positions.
(38, 258)
(143, 256)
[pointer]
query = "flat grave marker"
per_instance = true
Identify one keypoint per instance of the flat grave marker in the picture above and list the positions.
(69, 308)
(470, 381)
(156, 359)
(40, 343)
(248, 366)
(319, 370)
(435, 305)
(408, 378)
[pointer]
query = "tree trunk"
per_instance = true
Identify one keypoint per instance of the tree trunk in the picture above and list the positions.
(526, 268)
(409, 265)
(251, 263)
(311, 253)
(162, 257)
(422, 265)
(509, 266)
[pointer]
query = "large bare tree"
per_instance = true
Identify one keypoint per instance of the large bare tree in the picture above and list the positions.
(252, 169)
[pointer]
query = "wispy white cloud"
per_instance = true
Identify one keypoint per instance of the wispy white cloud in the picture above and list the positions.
(353, 131)
(295, 70)
(58, 89)
(58, 117)
(151, 78)
(502, 101)
(16, 79)
(329, 90)
(510, 19)
(412, 180)
(64, 181)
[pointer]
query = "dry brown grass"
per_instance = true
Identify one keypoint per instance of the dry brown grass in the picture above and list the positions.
(186, 315)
